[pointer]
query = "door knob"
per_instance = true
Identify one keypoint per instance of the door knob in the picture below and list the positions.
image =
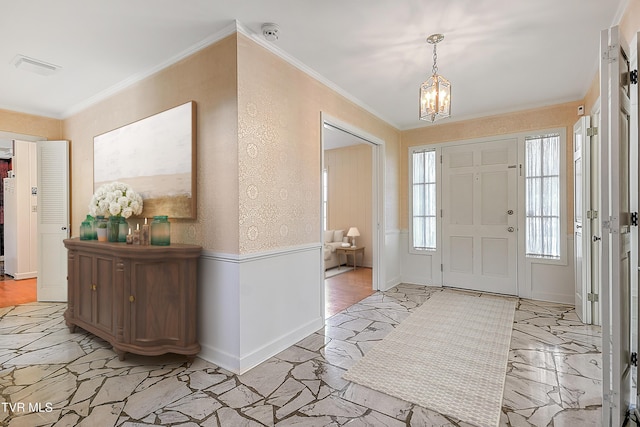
(510, 212)
(595, 238)
(511, 229)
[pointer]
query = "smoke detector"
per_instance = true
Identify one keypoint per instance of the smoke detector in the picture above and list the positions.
(270, 31)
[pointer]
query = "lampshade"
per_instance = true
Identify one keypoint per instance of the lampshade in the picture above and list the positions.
(435, 92)
(353, 232)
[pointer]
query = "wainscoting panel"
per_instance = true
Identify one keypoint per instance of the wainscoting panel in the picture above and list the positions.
(418, 269)
(219, 310)
(251, 307)
(551, 282)
(392, 260)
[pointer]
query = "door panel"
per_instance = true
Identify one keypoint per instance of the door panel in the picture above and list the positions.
(582, 167)
(53, 219)
(479, 225)
(616, 242)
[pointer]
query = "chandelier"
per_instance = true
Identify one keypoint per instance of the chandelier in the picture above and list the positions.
(435, 92)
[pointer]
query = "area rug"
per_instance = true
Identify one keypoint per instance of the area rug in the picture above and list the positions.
(450, 355)
(335, 271)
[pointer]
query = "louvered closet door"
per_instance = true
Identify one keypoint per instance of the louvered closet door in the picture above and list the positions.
(479, 218)
(53, 219)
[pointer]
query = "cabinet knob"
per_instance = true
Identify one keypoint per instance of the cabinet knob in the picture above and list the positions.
(131, 298)
(94, 287)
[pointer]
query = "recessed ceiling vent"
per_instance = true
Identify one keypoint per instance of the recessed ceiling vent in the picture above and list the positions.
(22, 62)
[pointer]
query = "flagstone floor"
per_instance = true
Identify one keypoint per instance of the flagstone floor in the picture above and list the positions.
(49, 376)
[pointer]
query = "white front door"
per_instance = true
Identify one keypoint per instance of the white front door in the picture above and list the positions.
(479, 218)
(616, 242)
(53, 219)
(581, 215)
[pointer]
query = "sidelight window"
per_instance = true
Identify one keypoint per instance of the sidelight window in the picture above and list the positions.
(423, 200)
(542, 196)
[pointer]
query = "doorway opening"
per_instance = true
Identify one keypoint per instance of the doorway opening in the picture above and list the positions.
(351, 212)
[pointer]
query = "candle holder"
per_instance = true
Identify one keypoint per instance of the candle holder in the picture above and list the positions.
(136, 235)
(145, 235)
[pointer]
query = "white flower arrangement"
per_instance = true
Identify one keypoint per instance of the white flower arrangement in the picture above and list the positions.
(115, 199)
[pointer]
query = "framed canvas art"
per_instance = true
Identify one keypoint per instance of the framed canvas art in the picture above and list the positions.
(156, 156)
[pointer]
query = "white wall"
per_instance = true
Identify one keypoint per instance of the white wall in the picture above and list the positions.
(393, 259)
(252, 307)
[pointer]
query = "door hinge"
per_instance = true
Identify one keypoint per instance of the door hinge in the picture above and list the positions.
(634, 359)
(634, 219)
(608, 398)
(591, 297)
(441, 214)
(440, 158)
(611, 54)
(441, 268)
(592, 214)
(633, 77)
(592, 131)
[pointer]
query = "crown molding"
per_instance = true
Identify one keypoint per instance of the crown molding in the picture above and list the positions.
(225, 32)
(234, 27)
(271, 47)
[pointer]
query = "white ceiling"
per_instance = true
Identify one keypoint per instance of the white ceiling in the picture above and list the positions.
(500, 55)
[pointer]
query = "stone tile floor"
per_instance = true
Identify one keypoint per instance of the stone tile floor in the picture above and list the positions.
(51, 377)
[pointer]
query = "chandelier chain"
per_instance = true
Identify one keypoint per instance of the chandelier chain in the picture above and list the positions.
(434, 69)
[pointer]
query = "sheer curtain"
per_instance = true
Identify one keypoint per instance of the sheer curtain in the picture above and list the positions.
(424, 200)
(542, 194)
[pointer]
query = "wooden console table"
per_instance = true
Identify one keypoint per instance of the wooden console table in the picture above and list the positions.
(141, 299)
(350, 251)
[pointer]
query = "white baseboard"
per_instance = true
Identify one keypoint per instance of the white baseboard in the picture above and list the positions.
(278, 345)
(22, 276)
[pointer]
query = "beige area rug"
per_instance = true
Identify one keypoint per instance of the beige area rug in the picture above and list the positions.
(450, 355)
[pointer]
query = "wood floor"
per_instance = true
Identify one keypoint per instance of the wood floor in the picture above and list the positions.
(346, 289)
(14, 292)
(341, 291)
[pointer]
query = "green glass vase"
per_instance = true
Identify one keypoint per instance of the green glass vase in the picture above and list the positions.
(113, 228)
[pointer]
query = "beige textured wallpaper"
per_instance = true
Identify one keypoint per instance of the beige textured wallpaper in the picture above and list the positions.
(279, 110)
(209, 78)
(28, 124)
(563, 115)
(258, 145)
(350, 193)
(278, 154)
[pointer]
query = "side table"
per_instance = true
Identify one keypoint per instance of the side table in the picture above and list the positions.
(353, 250)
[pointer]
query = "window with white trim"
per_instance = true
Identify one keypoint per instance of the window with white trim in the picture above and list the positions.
(423, 200)
(542, 196)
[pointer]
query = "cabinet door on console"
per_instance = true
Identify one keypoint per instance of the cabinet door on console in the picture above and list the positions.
(158, 306)
(84, 287)
(104, 294)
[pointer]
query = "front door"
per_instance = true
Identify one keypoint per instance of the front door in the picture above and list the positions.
(479, 219)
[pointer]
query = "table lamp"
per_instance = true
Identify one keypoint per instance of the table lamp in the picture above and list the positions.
(353, 232)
